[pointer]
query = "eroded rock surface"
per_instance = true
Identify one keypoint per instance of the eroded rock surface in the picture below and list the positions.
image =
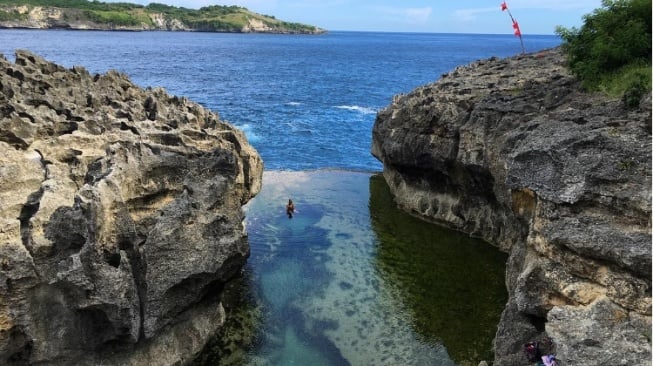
(52, 17)
(120, 217)
(511, 150)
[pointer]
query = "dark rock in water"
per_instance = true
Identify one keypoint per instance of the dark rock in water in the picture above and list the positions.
(512, 151)
(120, 218)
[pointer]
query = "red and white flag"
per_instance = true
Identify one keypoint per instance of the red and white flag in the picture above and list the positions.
(515, 25)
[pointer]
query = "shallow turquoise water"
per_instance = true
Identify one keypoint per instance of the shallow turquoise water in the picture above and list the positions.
(349, 280)
(338, 285)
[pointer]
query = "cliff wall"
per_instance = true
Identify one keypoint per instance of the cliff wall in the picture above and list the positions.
(512, 151)
(120, 218)
(43, 17)
(39, 17)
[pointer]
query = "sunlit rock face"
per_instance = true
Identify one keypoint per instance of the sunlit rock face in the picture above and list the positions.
(120, 217)
(512, 151)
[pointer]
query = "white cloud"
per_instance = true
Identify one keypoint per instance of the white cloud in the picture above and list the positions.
(472, 14)
(469, 15)
(408, 15)
(418, 15)
(554, 4)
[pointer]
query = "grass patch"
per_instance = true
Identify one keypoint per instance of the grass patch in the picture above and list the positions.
(11, 15)
(118, 17)
(630, 83)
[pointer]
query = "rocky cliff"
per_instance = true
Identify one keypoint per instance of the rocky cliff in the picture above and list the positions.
(40, 17)
(120, 218)
(512, 151)
(134, 17)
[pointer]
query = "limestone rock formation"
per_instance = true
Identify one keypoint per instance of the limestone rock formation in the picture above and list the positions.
(40, 17)
(256, 26)
(143, 19)
(512, 151)
(120, 218)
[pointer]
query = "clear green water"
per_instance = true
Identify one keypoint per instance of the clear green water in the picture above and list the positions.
(351, 280)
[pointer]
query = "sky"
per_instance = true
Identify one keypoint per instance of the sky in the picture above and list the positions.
(449, 16)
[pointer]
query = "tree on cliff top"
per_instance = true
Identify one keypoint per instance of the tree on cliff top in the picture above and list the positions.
(612, 50)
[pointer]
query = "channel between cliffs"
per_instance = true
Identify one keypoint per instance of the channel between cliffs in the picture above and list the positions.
(514, 152)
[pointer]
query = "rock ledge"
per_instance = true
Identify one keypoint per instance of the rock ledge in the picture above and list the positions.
(512, 151)
(120, 218)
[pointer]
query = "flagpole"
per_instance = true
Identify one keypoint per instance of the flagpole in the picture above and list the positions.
(517, 31)
(515, 26)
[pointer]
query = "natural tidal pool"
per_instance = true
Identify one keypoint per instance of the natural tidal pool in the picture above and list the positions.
(352, 280)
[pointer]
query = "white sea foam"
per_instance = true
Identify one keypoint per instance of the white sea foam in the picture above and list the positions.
(294, 103)
(357, 108)
(249, 132)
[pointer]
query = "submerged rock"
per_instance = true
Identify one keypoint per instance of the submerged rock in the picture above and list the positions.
(512, 151)
(120, 217)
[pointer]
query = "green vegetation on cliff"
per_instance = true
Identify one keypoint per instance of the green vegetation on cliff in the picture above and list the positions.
(214, 18)
(611, 52)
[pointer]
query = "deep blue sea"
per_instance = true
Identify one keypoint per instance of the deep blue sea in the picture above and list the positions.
(350, 279)
(305, 102)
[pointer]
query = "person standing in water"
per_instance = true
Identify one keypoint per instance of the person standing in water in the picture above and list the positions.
(290, 208)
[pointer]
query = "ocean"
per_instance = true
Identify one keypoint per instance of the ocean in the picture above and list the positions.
(350, 280)
(305, 102)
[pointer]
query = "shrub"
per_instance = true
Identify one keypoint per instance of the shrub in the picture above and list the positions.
(114, 17)
(636, 88)
(614, 41)
(11, 15)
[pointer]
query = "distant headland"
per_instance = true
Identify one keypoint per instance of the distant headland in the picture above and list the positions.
(95, 15)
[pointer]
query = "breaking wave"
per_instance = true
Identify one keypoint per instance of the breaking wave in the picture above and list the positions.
(357, 108)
